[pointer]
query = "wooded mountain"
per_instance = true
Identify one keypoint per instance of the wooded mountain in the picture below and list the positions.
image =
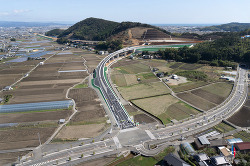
(100, 29)
(232, 27)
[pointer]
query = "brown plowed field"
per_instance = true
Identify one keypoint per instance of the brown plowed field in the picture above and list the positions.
(35, 116)
(24, 137)
(37, 98)
(87, 103)
(196, 101)
(241, 118)
(247, 103)
(124, 62)
(208, 96)
(138, 115)
(143, 118)
(7, 158)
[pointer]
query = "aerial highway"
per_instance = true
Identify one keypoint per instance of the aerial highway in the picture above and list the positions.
(119, 113)
(136, 137)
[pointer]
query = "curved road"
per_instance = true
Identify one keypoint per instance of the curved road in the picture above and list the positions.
(123, 120)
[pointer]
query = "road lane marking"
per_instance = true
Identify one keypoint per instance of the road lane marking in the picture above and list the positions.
(117, 142)
(150, 134)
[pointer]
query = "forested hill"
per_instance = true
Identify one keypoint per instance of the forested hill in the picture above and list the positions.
(231, 27)
(99, 29)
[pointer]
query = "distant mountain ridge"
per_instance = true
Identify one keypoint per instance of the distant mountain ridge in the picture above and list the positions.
(100, 29)
(27, 24)
(231, 27)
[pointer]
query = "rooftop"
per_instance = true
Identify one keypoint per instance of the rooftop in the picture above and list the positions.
(243, 145)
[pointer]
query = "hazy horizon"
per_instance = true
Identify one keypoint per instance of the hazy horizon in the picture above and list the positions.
(145, 11)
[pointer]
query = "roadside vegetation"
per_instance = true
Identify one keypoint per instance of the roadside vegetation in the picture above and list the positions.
(148, 161)
(223, 127)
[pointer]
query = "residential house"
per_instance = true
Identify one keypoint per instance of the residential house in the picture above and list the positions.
(172, 160)
(160, 74)
(219, 160)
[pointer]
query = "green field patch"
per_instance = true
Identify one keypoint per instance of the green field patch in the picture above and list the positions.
(223, 127)
(147, 75)
(148, 161)
(154, 49)
(133, 68)
(242, 135)
(193, 75)
(143, 90)
(180, 111)
(166, 108)
(81, 86)
(220, 89)
(119, 79)
(196, 101)
(187, 86)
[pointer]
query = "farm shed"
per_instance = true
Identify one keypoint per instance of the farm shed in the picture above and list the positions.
(234, 140)
(243, 147)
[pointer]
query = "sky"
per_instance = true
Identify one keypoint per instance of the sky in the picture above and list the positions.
(145, 11)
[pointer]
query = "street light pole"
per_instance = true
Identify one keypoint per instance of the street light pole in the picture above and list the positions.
(39, 138)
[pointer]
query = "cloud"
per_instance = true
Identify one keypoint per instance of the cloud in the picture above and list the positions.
(4, 13)
(18, 11)
(14, 12)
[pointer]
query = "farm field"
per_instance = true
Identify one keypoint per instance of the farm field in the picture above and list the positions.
(133, 68)
(223, 127)
(196, 101)
(6, 158)
(35, 116)
(208, 96)
(45, 83)
(241, 118)
(138, 115)
(122, 80)
(220, 89)
(23, 137)
(143, 90)
(81, 131)
(165, 107)
(187, 86)
(243, 135)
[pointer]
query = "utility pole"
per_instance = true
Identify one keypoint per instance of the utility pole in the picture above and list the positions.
(39, 138)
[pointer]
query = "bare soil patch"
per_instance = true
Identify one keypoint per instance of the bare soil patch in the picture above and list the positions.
(83, 94)
(139, 116)
(9, 158)
(35, 116)
(143, 118)
(81, 131)
(241, 118)
(88, 105)
(24, 137)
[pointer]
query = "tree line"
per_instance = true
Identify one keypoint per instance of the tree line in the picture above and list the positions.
(221, 52)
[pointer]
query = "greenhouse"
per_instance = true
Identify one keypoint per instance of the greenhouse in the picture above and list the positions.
(36, 106)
